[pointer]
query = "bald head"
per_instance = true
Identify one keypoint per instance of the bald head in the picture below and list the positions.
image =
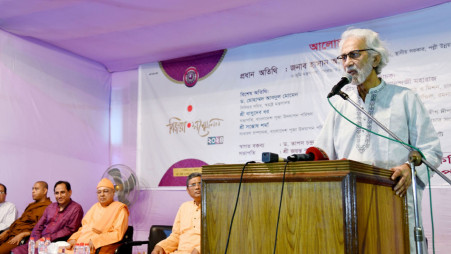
(39, 191)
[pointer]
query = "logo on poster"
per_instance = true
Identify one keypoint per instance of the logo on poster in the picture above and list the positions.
(191, 76)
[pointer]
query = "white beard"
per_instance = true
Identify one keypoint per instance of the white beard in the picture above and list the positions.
(361, 74)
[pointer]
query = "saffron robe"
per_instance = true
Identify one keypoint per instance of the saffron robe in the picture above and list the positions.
(110, 221)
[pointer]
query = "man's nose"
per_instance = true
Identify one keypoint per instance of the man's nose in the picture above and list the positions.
(348, 62)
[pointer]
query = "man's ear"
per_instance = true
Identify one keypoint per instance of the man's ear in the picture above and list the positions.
(377, 60)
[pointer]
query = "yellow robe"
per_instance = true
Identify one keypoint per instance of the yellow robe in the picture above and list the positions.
(111, 221)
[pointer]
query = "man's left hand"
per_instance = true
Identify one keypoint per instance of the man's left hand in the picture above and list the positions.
(404, 174)
(195, 251)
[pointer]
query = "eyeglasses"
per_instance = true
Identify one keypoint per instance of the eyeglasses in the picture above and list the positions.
(353, 54)
(194, 185)
(2, 192)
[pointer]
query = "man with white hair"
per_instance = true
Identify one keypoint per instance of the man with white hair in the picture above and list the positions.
(363, 56)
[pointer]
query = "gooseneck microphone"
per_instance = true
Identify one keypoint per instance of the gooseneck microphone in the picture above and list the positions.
(336, 89)
(311, 154)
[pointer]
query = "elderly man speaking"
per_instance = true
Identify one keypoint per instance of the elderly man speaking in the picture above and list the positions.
(363, 56)
(105, 223)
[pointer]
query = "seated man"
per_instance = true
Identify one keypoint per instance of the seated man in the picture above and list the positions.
(60, 219)
(8, 211)
(185, 236)
(22, 227)
(105, 223)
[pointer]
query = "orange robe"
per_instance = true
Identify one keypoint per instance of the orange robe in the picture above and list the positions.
(25, 223)
(111, 221)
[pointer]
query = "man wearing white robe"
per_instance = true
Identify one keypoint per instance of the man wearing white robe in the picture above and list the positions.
(399, 109)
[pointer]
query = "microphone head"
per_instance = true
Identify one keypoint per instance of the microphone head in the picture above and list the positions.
(318, 153)
(343, 81)
(268, 157)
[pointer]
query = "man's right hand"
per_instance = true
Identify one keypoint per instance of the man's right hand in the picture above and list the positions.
(158, 250)
(71, 244)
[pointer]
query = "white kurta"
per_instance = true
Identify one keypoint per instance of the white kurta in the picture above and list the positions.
(401, 111)
(8, 214)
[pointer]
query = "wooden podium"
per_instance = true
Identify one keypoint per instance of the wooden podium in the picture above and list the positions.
(327, 207)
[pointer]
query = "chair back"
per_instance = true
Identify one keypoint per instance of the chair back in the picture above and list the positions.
(128, 237)
(156, 234)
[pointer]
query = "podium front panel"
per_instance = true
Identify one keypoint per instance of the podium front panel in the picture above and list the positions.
(327, 207)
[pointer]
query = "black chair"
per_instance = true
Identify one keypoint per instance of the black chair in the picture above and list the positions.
(128, 237)
(156, 234)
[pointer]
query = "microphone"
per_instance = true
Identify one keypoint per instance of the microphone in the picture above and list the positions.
(311, 154)
(272, 157)
(336, 89)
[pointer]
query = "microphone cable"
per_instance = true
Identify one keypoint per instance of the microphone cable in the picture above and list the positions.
(236, 204)
(413, 147)
(280, 206)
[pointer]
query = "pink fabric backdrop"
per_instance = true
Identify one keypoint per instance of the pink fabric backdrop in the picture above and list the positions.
(54, 110)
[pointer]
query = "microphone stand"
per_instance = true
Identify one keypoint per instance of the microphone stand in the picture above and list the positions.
(415, 159)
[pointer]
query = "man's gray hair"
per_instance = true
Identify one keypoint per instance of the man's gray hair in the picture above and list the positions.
(372, 42)
(191, 176)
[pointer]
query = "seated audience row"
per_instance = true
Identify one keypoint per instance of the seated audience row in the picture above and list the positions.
(103, 225)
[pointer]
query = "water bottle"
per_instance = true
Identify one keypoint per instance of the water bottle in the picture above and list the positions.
(77, 249)
(46, 244)
(31, 245)
(87, 249)
(41, 247)
(80, 248)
